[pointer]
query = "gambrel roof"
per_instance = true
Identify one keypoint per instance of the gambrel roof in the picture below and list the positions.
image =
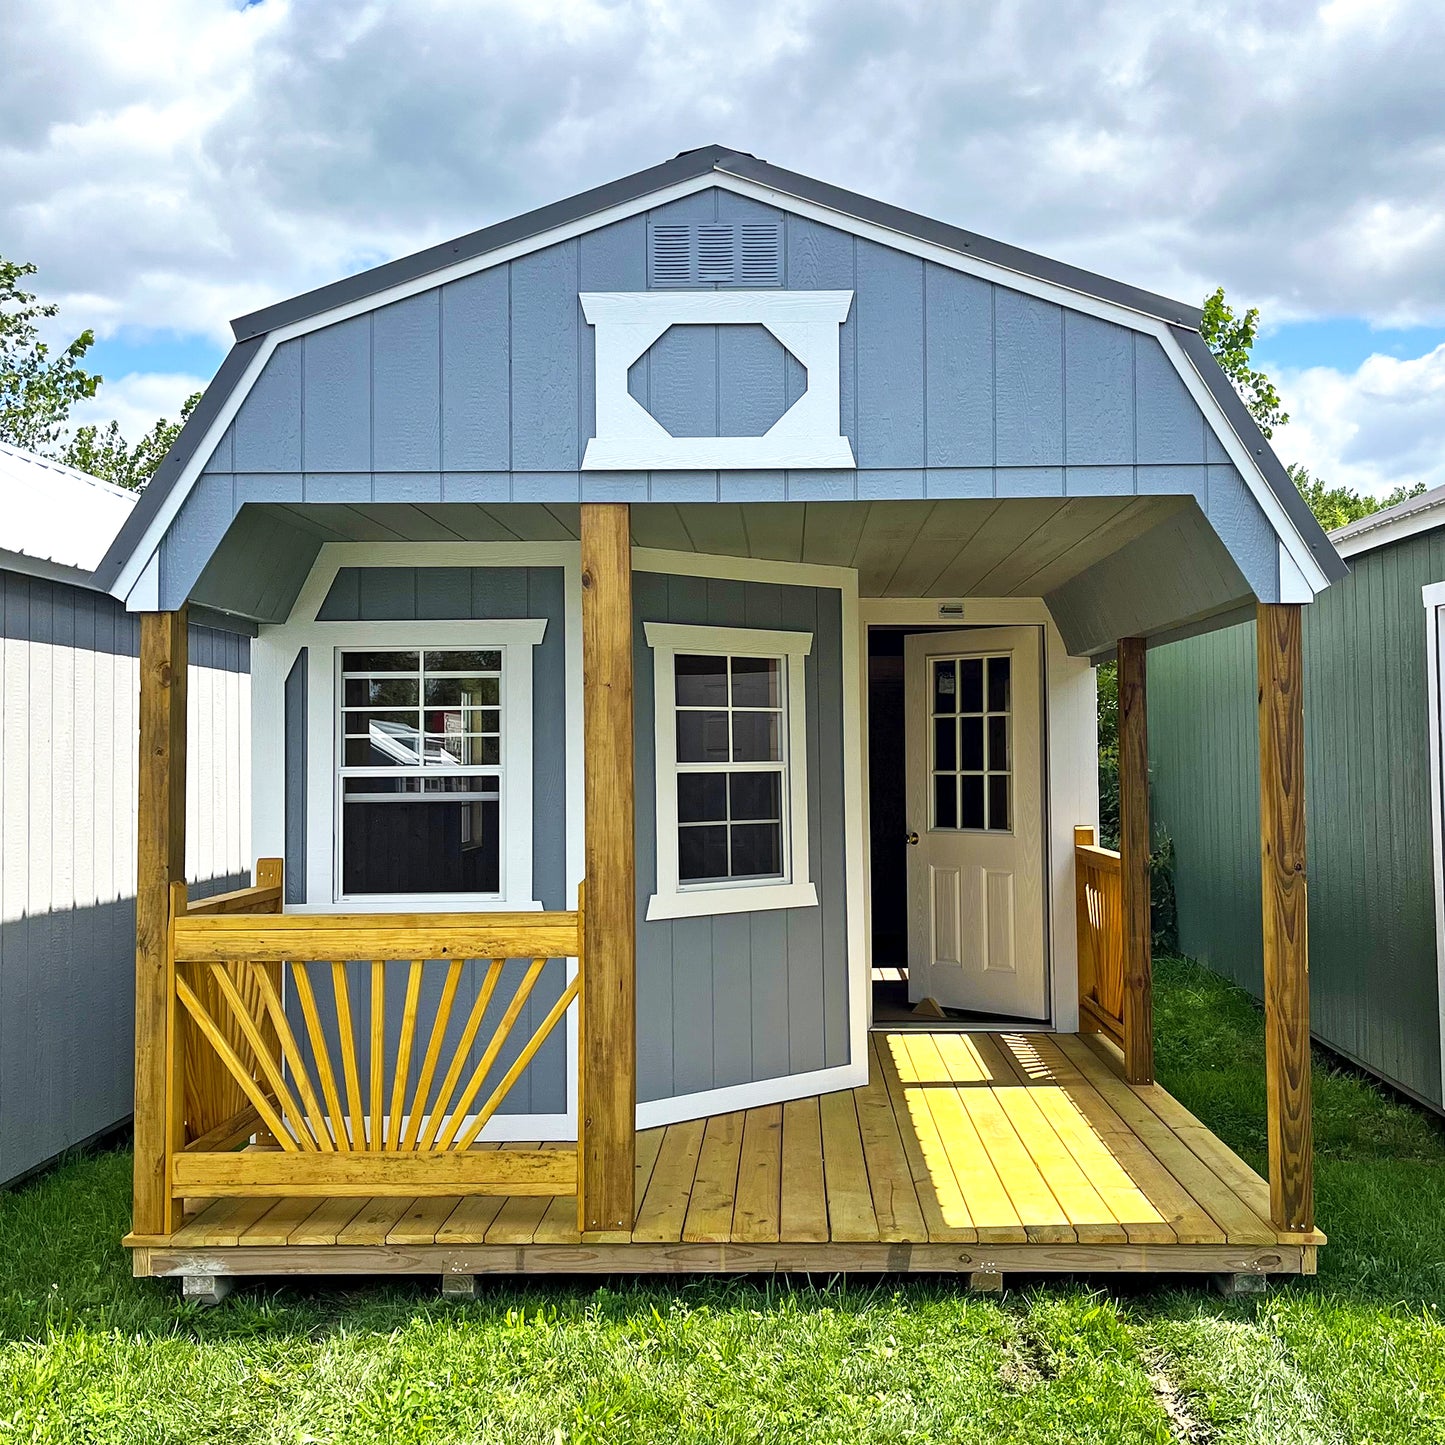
(1313, 562)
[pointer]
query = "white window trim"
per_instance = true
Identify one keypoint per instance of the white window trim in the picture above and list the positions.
(673, 899)
(515, 639)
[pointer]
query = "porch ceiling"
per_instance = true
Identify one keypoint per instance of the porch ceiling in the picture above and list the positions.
(987, 547)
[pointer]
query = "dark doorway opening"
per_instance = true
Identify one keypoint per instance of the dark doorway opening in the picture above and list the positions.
(888, 828)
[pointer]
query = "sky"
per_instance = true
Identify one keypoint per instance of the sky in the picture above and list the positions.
(170, 164)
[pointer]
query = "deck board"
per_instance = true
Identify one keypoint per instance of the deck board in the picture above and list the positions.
(961, 1151)
(757, 1212)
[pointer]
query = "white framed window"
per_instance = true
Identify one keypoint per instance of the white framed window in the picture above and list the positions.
(732, 776)
(426, 790)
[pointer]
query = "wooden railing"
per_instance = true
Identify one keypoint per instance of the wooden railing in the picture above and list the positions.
(1099, 896)
(400, 1117)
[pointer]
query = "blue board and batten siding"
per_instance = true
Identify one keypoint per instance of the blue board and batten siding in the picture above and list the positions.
(419, 594)
(721, 1001)
(482, 391)
(745, 997)
(1374, 989)
(69, 700)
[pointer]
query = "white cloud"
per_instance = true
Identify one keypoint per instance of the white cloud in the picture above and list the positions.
(137, 401)
(175, 162)
(172, 163)
(1373, 429)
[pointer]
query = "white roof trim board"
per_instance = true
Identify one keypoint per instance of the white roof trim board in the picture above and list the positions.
(1173, 325)
(1405, 519)
(51, 513)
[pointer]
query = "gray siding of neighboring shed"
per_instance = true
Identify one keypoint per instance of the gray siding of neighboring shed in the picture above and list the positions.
(69, 696)
(1373, 975)
(482, 391)
(406, 594)
(747, 996)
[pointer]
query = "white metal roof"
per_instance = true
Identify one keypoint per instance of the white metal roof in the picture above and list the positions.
(1415, 514)
(52, 513)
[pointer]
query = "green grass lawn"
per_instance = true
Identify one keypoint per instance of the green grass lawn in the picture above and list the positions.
(1356, 1354)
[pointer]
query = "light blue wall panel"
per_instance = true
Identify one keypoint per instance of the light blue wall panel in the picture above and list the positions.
(476, 352)
(1169, 426)
(266, 433)
(545, 318)
(749, 996)
(959, 369)
(336, 397)
(406, 369)
(890, 358)
(1028, 380)
(1098, 391)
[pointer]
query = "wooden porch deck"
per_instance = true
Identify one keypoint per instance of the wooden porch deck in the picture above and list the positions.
(976, 1154)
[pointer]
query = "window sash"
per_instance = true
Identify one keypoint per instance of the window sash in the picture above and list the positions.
(425, 769)
(790, 885)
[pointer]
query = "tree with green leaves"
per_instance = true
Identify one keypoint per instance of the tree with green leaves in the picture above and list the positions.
(1339, 506)
(38, 386)
(103, 452)
(1231, 338)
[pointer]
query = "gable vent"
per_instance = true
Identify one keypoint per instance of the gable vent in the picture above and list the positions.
(715, 253)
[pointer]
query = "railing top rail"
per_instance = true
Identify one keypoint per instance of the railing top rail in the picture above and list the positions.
(1104, 859)
(340, 937)
(239, 900)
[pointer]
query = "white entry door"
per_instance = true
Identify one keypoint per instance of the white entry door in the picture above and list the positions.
(975, 820)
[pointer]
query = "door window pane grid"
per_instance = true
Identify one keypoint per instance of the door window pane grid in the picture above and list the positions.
(970, 743)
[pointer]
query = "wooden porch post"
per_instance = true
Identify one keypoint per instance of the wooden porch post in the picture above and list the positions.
(1286, 931)
(1134, 864)
(160, 861)
(608, 1106)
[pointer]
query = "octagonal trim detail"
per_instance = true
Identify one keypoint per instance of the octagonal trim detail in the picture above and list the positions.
(629, 438)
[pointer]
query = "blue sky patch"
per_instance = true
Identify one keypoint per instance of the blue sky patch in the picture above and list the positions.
(133, 349)
(1341, 342)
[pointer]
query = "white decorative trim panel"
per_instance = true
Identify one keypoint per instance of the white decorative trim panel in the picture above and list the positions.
(629, 438)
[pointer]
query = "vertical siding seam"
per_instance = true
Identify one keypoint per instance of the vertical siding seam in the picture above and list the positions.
(370, 394)
(580, 322)
(923, 367)
(993, 387)
(1064, 393)
(511, 388)
(1134, 407)
(441, 388)
(857, 327)
(304, 341)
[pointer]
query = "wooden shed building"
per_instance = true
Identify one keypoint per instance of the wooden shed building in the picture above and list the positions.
(1372, 768)
(572, 548)
(69, 693)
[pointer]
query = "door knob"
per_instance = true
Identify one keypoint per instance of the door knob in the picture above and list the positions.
(912, 840)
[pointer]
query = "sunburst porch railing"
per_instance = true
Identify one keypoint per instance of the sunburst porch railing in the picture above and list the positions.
(287, 1078)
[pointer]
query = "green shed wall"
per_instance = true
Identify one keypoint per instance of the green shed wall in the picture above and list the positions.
(1373, 973)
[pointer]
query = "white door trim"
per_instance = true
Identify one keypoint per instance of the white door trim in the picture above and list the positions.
(1071, 764)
